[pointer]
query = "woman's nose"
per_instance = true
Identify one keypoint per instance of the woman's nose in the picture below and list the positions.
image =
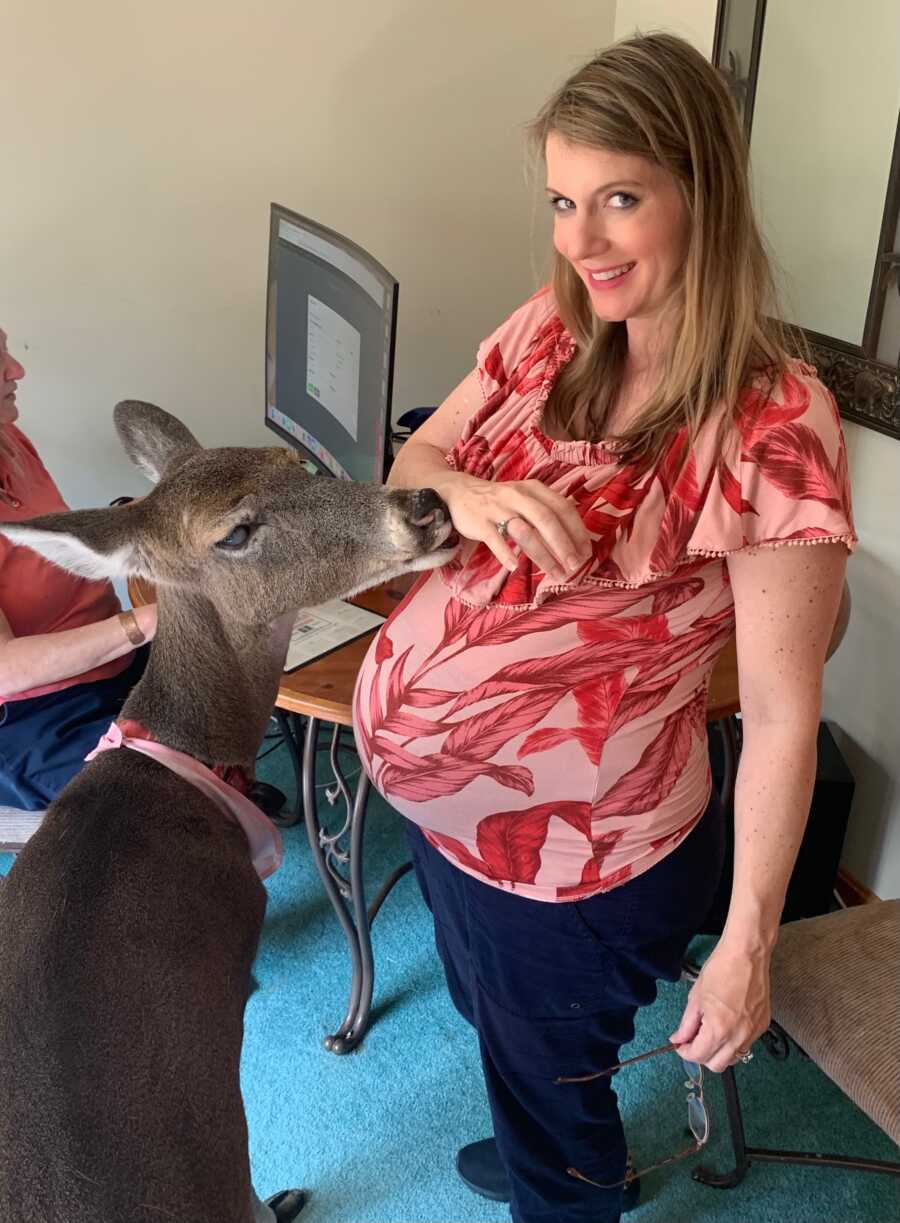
(584, 240)
(13, 370)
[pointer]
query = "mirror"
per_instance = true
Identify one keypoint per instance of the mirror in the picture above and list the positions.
(818, 86)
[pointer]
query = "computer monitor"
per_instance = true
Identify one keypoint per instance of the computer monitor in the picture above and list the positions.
(330, 331)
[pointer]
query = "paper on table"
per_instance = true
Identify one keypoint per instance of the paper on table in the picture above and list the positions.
(318, 630)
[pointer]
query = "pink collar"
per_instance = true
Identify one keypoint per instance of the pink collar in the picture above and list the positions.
(263, 837)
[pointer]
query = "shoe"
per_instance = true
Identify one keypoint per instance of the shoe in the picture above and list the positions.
(269, 799)
(287, 1204)
(481, 1169)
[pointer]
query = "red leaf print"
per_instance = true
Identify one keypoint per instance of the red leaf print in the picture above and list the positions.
(499, 625)
(427, 698)
(641, 699)
(605, 525)
(674, 532)
(626, 628)
(384, 647)
(654, 776)
(672, 462)
(395, 755)
(436, 776)
(674, 594)
(758, 412)
(493, 364)
(459, 851)
(513, 776)
(590, 883)
(544, 741)
(597, 703)
(577, 816)
(560, 672)
(513, 459)
(375, 707)
(455, 613)
(395, 681)
(475, 457)
(731, 491)
(698, 642)
(521, 586)
(615, 878)
(482, 735)
(793, 458)
(411, 726)
(622, 492)
(511, 843)
(591, 879)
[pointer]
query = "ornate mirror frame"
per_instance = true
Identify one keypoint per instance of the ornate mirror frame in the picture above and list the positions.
(866, 389)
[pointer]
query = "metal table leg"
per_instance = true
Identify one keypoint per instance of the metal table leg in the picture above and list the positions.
(338, 855)
(292, 733)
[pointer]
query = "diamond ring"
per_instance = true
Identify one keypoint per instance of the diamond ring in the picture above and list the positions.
(503, 528)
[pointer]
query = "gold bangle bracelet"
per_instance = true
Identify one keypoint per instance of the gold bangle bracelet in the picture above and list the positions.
(131, 628)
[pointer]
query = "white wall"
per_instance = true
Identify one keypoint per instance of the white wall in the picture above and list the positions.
(862, 680)
(694, 20)
(143, 145)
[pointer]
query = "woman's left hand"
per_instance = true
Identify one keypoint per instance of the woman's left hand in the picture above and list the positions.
(727, 1008)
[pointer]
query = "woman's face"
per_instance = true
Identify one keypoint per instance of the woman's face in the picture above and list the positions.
(11, 371)
(622, 223)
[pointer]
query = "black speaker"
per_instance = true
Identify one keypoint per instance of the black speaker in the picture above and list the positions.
(812, 883)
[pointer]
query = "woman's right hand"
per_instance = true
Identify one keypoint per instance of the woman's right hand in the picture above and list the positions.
(540, 522)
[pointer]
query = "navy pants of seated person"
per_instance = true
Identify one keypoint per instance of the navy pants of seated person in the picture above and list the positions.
(44, 739)
(552, 990)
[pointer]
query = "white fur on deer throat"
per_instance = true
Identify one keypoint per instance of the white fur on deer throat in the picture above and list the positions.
(70, 553)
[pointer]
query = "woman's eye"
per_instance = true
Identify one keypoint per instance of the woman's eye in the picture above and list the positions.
(625, 200)
(236, 537)
(560, 203)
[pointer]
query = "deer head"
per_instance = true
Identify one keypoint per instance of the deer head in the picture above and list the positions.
(248, 528)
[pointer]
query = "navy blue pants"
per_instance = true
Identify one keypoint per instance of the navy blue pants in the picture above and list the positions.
(44, 740)
(552, 990)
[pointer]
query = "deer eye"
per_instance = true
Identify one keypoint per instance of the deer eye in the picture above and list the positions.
(237, 537)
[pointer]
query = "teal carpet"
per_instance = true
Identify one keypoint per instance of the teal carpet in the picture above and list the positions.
(373, 1134)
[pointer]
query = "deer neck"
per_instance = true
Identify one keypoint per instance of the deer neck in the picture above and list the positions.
(210, 681)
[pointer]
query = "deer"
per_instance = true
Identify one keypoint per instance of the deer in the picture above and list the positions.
(130, 920)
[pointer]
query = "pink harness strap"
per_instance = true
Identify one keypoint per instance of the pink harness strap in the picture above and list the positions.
(263, 838)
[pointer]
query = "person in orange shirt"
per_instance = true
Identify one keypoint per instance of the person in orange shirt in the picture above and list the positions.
(69, 655)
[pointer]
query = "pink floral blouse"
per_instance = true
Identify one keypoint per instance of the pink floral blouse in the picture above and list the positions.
(551, 737)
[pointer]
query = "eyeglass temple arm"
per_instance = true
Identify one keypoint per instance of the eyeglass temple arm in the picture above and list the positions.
(631, 1061)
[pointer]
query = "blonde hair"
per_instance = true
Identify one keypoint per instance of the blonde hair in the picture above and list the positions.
(655, 96)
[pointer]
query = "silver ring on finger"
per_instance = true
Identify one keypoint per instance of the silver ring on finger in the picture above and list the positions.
(745, 1055)
(503, 528)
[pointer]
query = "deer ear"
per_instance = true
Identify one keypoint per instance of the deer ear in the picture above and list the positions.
(90, 543)
(152, 438)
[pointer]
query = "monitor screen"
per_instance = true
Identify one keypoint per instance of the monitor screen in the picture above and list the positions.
(330, 332)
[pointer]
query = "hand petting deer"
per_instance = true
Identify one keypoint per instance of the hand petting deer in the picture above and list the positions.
(129, 922)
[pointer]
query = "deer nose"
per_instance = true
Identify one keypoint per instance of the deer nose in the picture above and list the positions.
(426, 509)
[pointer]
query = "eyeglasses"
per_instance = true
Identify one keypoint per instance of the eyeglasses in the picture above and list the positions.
(698, 1117)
